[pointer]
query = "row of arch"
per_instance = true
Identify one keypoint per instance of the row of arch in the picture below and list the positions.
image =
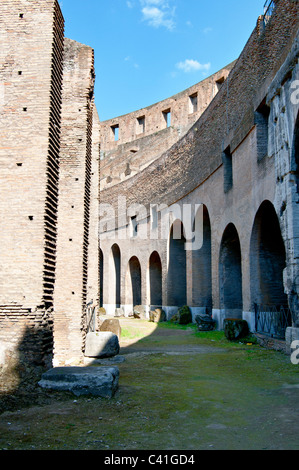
(267, 262)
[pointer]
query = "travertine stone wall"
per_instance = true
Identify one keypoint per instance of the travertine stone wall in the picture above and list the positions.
(239, 154)
(30, 100)
(144, 134)
(227, 121)
(77, 194)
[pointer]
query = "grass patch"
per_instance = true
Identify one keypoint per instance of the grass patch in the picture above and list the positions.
(208, 337)
(228, 396)
(131, 333)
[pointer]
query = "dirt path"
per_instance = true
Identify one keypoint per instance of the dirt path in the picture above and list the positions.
(177, 390)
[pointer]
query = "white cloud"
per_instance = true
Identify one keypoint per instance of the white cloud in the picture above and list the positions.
(130, 60)
(158, 13)
(207, 30)
(190, 65)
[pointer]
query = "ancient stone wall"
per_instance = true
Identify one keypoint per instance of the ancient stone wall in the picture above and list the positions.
(30, 101)
(225, 122)
(131, 142)
(77, 195)
(235, 156)
(237, 161)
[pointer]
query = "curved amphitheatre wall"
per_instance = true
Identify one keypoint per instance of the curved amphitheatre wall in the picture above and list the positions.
(227, 120)
(131, 142)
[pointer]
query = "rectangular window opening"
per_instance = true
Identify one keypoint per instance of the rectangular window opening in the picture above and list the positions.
(141, 125)
(134, 226)
(167, 117)
(219, 83)
(227, 169)
(261, 121)
(193, 103)
(115, 132)
(154, 217)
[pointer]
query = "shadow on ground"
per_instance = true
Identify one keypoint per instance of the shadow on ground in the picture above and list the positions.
(178, 389)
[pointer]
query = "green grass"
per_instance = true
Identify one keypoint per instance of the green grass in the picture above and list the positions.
(127, 333)
(228, 396)
(207, 337)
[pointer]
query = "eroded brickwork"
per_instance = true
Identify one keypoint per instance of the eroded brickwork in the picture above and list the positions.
(30, 78)
(75, 199)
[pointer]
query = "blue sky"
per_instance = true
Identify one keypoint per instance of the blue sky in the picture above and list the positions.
(149, 50)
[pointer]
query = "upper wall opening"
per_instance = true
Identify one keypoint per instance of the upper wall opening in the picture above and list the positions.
(179, 111)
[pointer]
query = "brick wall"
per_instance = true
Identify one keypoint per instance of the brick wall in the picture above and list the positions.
(30, 78)
(76, 200)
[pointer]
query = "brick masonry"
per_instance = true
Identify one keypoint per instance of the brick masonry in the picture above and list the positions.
(235, 152)
(31, 79)
(78, 175)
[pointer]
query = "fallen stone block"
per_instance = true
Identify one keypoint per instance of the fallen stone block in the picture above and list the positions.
(101, 344)
(113, 326)
(157, 316)
(119, 312)
(205, 322)
(185, 315)
(97, 381)
(235, 328)
(139, 312)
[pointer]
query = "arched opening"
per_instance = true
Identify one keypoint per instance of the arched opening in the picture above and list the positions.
(101, 277)
(134, 282)
(267, 259)
(230, 273)
(155, 279)
(202, 262)
(115, 278)
(176, 285)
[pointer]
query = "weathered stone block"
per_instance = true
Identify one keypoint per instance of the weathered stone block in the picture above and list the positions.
(205, 322)
(113, 326)
(157, 316)
(101, 344)
(119, 312)
(235, 328)
(185, 315)
(96, 381)
(139, 312)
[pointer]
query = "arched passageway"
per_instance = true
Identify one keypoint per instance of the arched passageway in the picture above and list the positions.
(267, 259)
(133, 282)
(202, 262)
(176, 281)
(115, 275)
(155, 280)
(230, 273)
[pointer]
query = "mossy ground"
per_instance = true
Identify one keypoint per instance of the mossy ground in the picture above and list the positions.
(178, 389)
